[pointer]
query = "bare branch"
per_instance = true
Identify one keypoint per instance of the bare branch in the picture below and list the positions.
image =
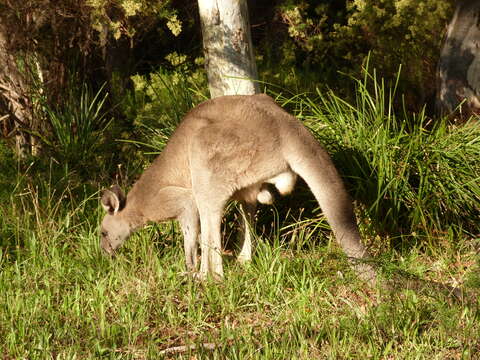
(185, 348)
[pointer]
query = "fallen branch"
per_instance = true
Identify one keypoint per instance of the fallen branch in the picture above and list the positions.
(185, 348)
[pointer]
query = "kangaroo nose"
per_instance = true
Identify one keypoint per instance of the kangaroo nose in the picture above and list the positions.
(107, 248)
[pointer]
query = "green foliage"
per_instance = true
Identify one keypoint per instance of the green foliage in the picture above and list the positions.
(8, 184)
(129, 17)
(331, 37)
(411, 174)
(49, 46)
(78, 128)
(162, 98)
(8, 166)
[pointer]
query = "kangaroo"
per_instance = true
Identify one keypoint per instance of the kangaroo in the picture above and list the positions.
(229, 148)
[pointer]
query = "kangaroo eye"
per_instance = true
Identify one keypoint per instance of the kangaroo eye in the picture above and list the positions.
(104, 233)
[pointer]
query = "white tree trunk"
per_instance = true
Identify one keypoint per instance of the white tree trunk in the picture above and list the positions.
(459, 65)
(228, 47)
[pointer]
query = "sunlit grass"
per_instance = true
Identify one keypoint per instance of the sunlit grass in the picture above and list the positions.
(62, 298)
(410, 173)
(416, 192)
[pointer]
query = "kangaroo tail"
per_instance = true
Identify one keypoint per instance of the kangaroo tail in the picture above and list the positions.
(308, 159)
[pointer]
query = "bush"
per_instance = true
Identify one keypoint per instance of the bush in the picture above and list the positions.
(78, 127)
(410, 174)
(161, 99)
(328, 38)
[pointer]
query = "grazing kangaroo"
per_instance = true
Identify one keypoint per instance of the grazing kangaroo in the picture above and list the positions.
(229, 148)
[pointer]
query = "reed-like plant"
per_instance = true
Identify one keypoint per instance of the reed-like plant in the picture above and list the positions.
(411, 173)
(78, 126)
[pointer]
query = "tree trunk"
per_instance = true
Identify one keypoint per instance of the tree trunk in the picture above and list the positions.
(228, 47)
(13, 101)
(459, 65)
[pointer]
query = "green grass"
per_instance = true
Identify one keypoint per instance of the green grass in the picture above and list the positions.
(61, 298)
(298, 299)
(410, 173)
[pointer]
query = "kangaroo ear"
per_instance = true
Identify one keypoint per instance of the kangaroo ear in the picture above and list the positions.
(113, 199)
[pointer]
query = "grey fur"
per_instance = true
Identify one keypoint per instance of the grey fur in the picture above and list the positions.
(228, 148)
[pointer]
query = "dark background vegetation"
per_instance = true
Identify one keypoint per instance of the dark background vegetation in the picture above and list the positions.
(91, 90)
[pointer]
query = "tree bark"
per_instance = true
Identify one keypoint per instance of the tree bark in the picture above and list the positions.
(459, 65)
(228, 47)
(13, 101)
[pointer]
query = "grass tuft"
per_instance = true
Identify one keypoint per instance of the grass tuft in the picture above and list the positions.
(412, 174)
(297, 299)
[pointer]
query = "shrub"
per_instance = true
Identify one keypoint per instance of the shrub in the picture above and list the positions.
(410, 174)
(331, 37)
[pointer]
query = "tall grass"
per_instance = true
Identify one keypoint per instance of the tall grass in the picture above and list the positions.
(78, 126)
(61, 299)
(160, 101)
(410, 172)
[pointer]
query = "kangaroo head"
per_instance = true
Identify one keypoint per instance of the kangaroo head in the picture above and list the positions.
(115, 229)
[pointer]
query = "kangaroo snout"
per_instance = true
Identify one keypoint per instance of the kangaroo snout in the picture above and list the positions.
(107, 248)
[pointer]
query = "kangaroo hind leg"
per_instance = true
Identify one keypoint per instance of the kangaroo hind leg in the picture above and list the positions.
(211, 198)
(190, 223)
(247, 211)
(210, 240)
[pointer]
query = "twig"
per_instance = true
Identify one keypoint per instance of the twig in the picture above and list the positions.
(9, 89)
(185, 348)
